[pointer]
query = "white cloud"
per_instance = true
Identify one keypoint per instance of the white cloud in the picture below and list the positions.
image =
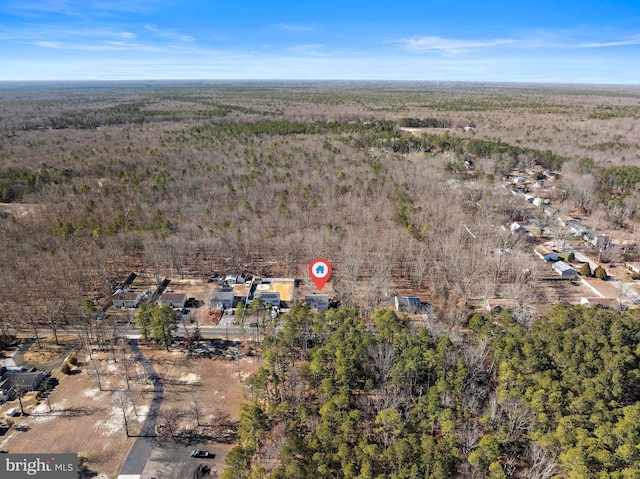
(293, 27)
(618, 43)
(540, 40)
(313, 49)
(320, 50)
(452, 46)
(31, 8)
(113, 45)
(169, 34)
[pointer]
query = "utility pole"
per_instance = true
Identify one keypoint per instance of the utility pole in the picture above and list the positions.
(19, 394)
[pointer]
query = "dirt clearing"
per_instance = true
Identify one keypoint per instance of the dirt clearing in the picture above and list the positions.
(85, 414)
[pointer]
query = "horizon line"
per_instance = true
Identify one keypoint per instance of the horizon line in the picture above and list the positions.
(322, 80)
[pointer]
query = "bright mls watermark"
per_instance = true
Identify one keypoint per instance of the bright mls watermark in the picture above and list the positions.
(50, 466)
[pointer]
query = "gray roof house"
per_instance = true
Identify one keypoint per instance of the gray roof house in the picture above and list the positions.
(173, 300)
(317, 302)
(564, 269)
(408, 304)
(268, 297)
(517, 228)
(14, 382)
(221, 298)
(126, 300)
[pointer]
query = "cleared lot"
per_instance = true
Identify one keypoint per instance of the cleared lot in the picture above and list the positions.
(86, 420)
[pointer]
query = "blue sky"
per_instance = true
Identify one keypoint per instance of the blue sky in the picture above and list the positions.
(515, 41)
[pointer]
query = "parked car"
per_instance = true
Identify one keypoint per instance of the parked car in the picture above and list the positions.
(200, 453)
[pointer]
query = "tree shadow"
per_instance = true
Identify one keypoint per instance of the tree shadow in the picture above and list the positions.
(83, 470)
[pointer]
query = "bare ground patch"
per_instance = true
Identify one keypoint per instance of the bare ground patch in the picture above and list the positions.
(84, 415)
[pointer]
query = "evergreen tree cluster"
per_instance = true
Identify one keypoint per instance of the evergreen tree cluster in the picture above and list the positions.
(343, 397)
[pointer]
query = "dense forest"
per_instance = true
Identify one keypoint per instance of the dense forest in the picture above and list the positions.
(342, 397)
(403, 186)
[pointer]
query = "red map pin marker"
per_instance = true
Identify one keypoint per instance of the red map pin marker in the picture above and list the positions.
(320, 270)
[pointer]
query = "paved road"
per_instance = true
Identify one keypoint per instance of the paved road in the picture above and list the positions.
(139, 454)
(51, 365)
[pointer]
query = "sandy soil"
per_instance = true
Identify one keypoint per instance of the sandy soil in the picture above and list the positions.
(86, 420)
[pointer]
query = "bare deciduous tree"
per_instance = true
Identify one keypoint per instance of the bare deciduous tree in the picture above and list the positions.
(541, 464)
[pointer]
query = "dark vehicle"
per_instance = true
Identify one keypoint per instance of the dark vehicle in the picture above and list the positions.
(185, 311)
(199, 453)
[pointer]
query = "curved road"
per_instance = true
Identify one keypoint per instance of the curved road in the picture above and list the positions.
(56, 363)
(139, 454)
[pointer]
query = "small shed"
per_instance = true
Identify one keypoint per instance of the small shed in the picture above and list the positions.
(317, 302)
(564, 269)
(222, 298)
(173, 300)
(126, 300)
(408, 304)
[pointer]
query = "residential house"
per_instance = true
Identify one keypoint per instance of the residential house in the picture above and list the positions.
(317, 302)
(517, 228)
(173, 300)
(13, 383)
(127, 300)
(269, 297)
(408, 304)
(576, 228)
(221, 298)
(545, 254)
(564, 269)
